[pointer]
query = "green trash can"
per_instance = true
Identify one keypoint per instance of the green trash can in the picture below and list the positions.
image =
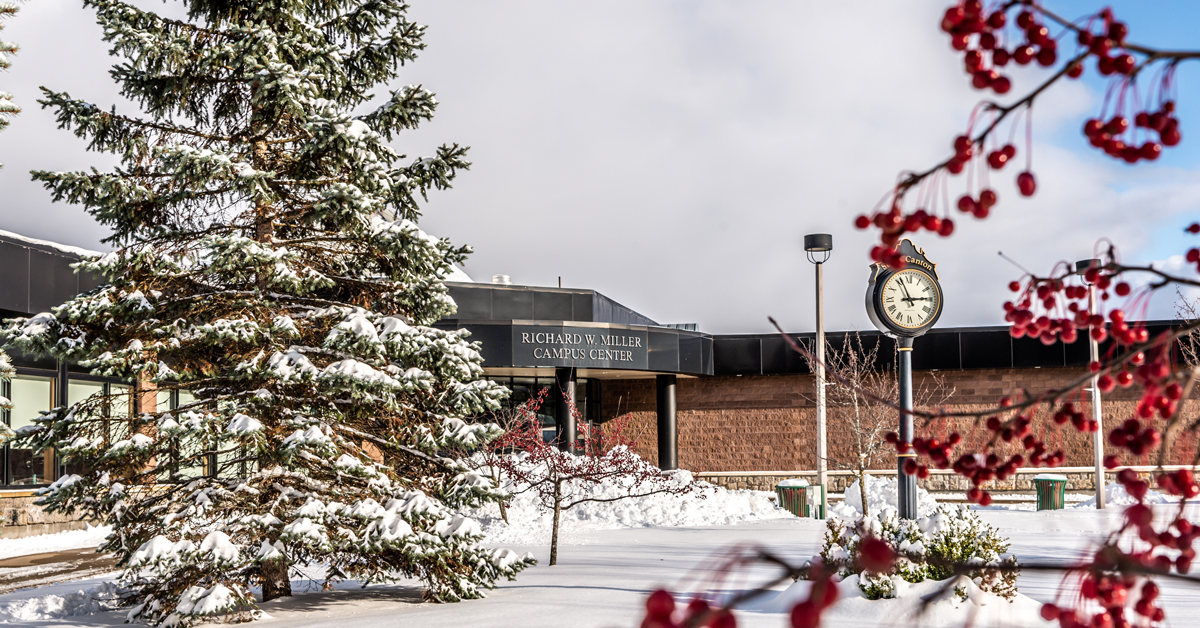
(800, 498)
(1051, 491)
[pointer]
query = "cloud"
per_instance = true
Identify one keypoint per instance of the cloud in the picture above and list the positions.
(673, 154)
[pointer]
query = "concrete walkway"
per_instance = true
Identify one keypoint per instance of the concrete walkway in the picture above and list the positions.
(35, 570)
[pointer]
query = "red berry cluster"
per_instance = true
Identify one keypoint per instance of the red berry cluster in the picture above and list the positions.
(1068, 413)
(1108, 581)
(1108, 135)
(661, 613)
(895, 224)
(980, 38)
(824, 591)
(1107, 44)
(1181, 482)
(1112, 592)
(1049, 328)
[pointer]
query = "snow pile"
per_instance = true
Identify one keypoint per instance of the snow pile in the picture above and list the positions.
(100, 598)
(89, 537)
(1115, 495)
(973, 607)
(709, 505)
(881, 496)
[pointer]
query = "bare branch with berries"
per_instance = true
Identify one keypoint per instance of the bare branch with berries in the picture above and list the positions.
(1132, 126)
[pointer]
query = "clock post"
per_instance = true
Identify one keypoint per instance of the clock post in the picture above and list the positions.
(906, 485)
(905, 303)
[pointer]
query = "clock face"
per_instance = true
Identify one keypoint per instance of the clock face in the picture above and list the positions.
(911, 299)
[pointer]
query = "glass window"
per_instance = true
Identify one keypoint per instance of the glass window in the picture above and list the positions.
(30, 395)
(78, 391)
(121, 396)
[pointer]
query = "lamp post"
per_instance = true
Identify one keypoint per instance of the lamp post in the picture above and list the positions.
(1081, 267)
(818, 247)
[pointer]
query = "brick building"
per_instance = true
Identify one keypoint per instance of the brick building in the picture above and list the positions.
(745, 403)
(714, 404)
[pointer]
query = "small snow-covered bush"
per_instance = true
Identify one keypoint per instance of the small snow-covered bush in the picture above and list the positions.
(929, 548)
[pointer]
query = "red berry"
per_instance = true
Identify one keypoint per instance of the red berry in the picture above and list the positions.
(1000, 57)
(987, 41)
(805, 615)
(947, 227)
(723, 619)
(1002, 85)
(1193, 228)
(660, 604)
(875, 555)
(987, 198)
(1170, 137)
(862, 222)
(997, 159)
(1150, 151)
(1122, 289)
(1023, 55)
(1026, 183)
(1046, 57)
(997, 20)
(1117, 32)
(960, 42)
(1105, 65)
(1093, 127)
(952, 17)
(1049, 612)
(1015, 286)
(973, 59)
(1157, 121)
(966, 203)
(1124, 64)
(981, 212)
(955, 165)
(1105, 383)
(1117, 125)
(1075, 70)
(1025, 19)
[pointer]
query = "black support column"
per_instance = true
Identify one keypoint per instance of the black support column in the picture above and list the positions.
(564, 402)
(668, 434)
(906, 485)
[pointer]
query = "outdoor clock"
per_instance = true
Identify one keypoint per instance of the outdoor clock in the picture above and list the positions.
(906, 302)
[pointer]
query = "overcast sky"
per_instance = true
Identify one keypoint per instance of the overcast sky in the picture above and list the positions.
(673, 154)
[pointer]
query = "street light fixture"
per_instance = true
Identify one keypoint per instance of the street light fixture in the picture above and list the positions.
(818, 247)
(1082, 267)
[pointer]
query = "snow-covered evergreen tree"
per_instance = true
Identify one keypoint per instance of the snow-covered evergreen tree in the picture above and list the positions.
(7, 107)
(267, 263)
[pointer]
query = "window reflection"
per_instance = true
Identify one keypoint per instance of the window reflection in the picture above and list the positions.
(30, 395)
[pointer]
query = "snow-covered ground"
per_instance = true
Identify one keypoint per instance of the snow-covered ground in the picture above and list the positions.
(87, 538)
(612, 558)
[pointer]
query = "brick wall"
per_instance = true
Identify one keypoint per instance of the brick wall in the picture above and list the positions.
(768, 422)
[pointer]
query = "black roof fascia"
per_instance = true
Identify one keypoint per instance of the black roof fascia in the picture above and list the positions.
(961, 348)
(496, 302)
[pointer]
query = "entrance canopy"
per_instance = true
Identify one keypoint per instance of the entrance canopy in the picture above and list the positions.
(523, 329)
